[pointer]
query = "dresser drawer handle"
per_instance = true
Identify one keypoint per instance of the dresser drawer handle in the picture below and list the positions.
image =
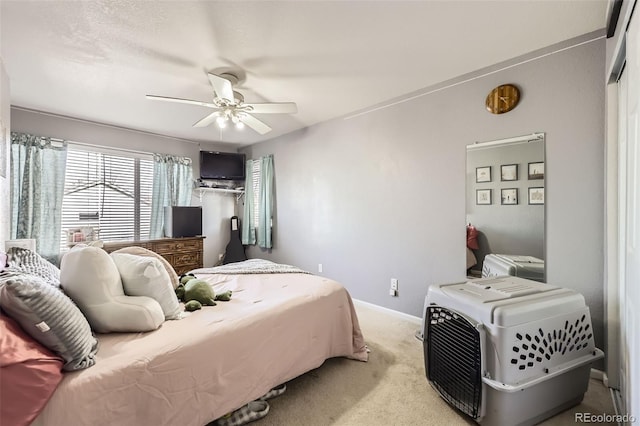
(185, 258)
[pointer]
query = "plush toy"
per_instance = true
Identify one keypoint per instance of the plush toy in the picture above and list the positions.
(199, 290)
(224, 297)
(183, 279)
(186, 277)
(195, 293)
(180, 292)
(192, 305)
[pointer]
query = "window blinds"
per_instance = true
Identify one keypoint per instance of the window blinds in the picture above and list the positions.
(255, 174)
(110, 192)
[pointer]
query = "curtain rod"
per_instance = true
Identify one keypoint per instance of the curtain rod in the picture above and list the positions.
(109, 148)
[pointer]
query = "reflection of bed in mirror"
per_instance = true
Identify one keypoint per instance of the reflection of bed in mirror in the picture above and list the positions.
(528, 267)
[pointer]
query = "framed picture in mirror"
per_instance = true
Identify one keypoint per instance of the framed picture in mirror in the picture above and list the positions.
(483, 174)
(536, 170)
(536, 195)
(509, 196)
(483, 196)
(509, 172)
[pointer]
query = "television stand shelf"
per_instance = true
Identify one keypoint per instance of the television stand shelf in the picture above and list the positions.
(239, 192)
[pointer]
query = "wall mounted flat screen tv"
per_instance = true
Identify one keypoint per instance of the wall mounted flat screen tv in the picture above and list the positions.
(222, 165)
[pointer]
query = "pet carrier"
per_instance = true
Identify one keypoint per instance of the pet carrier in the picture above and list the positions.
(508, 350)
(528, 267)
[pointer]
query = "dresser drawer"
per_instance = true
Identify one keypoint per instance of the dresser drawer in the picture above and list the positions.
(182, 259)
(174, 246)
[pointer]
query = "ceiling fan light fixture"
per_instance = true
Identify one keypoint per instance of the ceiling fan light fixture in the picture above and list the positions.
(238, 98)
(229, 106)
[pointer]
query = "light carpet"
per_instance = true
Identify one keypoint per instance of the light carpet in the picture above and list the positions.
(390, 389)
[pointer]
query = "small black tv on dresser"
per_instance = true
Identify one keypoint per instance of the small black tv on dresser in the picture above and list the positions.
(182, 221)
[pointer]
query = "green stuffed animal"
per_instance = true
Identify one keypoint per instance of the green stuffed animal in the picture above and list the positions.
(192, 305)
(180, 292)
(185, 278)
(195, 293)
(199, 290)
(224, 297)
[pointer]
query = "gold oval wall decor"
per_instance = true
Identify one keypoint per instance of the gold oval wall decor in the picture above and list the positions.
(502, 99)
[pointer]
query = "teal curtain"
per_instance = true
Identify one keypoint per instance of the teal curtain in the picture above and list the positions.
(37, 188)
(172, 186)
(248, 228)
(265, 209)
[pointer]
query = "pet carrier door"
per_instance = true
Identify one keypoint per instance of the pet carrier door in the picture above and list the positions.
(453, 358)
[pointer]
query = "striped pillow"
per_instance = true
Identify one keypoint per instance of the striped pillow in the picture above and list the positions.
(50, 317)
(32, 263)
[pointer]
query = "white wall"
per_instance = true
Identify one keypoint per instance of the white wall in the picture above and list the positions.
(217, 207)
(382, 195)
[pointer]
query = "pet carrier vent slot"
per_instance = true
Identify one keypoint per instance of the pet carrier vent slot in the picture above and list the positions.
(453, 362)
(513, 289)
(571, 337)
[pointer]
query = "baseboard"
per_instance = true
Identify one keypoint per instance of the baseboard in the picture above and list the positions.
(598, 375)
(388, 311)
(617, 402)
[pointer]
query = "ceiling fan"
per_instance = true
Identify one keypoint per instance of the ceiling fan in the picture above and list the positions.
(229, 106)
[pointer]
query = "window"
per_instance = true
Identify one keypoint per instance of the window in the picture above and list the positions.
(258, 207)
(109, 191)
(255, 179)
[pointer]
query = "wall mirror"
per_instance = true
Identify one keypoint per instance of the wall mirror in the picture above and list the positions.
(506, 207)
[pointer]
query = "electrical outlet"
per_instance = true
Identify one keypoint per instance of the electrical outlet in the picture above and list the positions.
(393, 291)
(220, 256)
(319, 267)
(394, 284)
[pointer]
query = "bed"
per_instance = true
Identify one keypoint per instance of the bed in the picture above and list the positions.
(279, 324)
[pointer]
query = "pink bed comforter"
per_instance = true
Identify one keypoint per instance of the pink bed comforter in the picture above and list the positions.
(194, 370)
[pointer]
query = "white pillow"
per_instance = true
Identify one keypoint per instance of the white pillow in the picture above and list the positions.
(141, 251)
(146, 276)
(89, 276)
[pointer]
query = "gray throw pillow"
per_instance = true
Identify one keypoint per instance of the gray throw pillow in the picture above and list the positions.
(50, 317)
(32, 263)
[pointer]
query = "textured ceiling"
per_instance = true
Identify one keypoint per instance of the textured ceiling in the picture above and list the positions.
(96, 60)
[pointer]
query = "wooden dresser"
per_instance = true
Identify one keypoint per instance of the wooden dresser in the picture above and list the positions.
(184, 254)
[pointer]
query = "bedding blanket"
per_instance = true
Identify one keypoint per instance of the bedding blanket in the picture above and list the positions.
(251, 266)
(189, 372)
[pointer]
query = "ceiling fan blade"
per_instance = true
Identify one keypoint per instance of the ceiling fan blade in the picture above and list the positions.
(255, 124)
(207, 120)
(274, 108)
(181, 101)
(221, 86)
